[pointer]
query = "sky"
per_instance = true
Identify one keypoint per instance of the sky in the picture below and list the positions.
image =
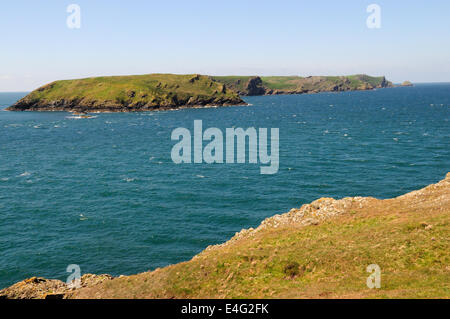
(245, 37)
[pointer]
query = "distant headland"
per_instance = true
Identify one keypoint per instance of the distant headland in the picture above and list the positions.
(273, 85)
(169, 91)
(407, 83)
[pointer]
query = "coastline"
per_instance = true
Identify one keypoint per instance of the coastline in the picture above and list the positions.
(125, 110)
(168, 91)
(420, 216)
(174, 108)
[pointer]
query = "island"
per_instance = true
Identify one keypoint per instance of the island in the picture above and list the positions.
(406, 83)
(170, 91)
(128, 94)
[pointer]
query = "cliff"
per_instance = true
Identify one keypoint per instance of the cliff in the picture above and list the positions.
(169, 91)
(268, 85)
(128, 93)
(320, 250)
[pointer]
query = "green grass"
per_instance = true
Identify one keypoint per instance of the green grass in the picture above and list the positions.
(408, 240)
(133, 91)
(407, 237)
(297, 84)
(153, 91)
(281, 82)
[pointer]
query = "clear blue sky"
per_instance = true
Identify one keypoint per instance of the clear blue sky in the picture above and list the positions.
(222, 37)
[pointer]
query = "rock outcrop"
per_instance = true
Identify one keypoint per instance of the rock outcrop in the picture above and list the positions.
(255, 86)
(41, 288)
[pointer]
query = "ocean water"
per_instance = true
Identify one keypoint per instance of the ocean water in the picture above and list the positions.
(104, 193)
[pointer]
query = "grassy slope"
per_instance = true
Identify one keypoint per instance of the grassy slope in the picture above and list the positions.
(296, 84)
(408, 237)
(154, 91)
(133, 91)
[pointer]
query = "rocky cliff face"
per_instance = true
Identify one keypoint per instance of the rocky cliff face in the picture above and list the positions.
(255, 86)
(273, 85)
(41, 288)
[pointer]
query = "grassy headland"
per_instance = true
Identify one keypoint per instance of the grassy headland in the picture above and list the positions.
(169, 91)
(128, 93)
(320, 250)
(261, 85)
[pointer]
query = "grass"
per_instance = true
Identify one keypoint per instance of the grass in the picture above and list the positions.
(134, 91)
(297, 84)
(153, 91)
(408, 239)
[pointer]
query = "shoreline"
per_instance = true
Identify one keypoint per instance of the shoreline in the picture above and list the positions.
(169, 91)
(124, 110)
(427, 208)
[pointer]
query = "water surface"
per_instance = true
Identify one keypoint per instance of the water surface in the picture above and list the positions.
(103, 192)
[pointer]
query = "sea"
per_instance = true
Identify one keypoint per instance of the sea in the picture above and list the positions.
(103, 193)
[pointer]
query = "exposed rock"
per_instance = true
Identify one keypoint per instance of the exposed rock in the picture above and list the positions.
(309, 214)
(194, 78)
(267, 85)
(325, 208)
(41, 288)
(255, 86)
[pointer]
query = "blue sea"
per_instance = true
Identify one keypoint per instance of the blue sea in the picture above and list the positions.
(104, 193)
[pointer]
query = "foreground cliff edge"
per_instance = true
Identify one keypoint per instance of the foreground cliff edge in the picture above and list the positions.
(169, 91)
(320, 250)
